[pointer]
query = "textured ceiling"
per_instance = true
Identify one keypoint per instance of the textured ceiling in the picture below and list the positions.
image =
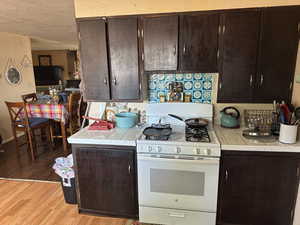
(50, 23)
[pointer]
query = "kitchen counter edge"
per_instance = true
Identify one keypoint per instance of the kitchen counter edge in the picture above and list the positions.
(233, 140)
(116, 137)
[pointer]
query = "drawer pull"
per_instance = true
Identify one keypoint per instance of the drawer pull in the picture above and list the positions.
(178, 215)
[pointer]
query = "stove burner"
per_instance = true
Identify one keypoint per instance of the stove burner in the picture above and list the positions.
(161, 133)
(197, 134)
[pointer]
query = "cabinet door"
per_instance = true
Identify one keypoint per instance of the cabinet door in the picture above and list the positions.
(93, 54)
(107, 181)
(279, 47)
(239, 40)
(257, 189)
(160, 36)
(199, 42)
(123, 48)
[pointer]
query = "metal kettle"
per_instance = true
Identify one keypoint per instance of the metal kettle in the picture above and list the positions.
(230, 117)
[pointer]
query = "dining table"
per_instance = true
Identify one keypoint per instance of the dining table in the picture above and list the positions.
(54, 111)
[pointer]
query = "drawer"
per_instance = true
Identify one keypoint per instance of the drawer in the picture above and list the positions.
(175, 217)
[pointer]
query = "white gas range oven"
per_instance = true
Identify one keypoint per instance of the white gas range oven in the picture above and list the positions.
(178, 177)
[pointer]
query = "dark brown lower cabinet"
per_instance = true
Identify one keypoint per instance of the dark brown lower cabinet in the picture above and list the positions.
(106, 180)
(257, 188)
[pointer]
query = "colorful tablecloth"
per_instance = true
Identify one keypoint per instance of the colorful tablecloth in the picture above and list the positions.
(56, 112)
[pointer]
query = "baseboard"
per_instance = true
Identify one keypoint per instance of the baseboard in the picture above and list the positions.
(12, 138)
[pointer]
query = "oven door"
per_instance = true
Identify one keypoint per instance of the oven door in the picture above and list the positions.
(178, 183)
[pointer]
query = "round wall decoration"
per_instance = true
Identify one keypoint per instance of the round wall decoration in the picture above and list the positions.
(13, 76)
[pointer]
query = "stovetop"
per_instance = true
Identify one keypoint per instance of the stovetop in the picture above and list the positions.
(185, 136)
(196, 143)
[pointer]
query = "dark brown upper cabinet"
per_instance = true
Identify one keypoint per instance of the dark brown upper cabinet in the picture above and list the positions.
(109, 56)
(257, 188)
(199, 42)
(123, 54)
(93, 53)
(254, 51)
(278, 53)
(239, 35)
(160, 42)
(259, 71)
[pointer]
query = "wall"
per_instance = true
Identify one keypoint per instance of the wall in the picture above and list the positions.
(89, 8)
(59, 58)
(14, 47)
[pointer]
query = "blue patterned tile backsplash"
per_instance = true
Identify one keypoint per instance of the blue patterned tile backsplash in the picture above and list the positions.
(198, 85)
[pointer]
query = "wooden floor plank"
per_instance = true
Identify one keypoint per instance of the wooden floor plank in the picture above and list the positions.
(18, 164)
(42, 203)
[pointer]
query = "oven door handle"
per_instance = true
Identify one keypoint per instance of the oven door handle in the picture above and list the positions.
(145, 157)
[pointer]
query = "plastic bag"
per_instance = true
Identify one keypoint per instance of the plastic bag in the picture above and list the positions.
(63, 167)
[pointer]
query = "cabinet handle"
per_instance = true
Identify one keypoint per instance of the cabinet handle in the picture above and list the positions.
(219, 29)
(105, 81)
(298, 28)
(226, 175)
(175, 50)
(142, 33)
(220, 85)
(218, 54)
(291, 85)
(184, 48)
(139, 33)
(178, 215)
(261, 79)
(251, 80)
(143, 57)
(129, 168)
(115, 81)
(224, 28)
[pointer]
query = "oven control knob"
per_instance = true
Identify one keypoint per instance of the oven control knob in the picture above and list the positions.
(150, 148)
(208, 151)
(178, 150)
(198, 151)
(159, 149)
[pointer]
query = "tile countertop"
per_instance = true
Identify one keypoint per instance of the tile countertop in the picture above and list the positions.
(232, 139)
(116, 136)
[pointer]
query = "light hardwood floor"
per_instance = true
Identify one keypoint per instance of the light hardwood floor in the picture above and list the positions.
(42, 203)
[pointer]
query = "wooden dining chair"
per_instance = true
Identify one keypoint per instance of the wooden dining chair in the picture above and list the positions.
(21, 122)
(73, 109)
(29, 97)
